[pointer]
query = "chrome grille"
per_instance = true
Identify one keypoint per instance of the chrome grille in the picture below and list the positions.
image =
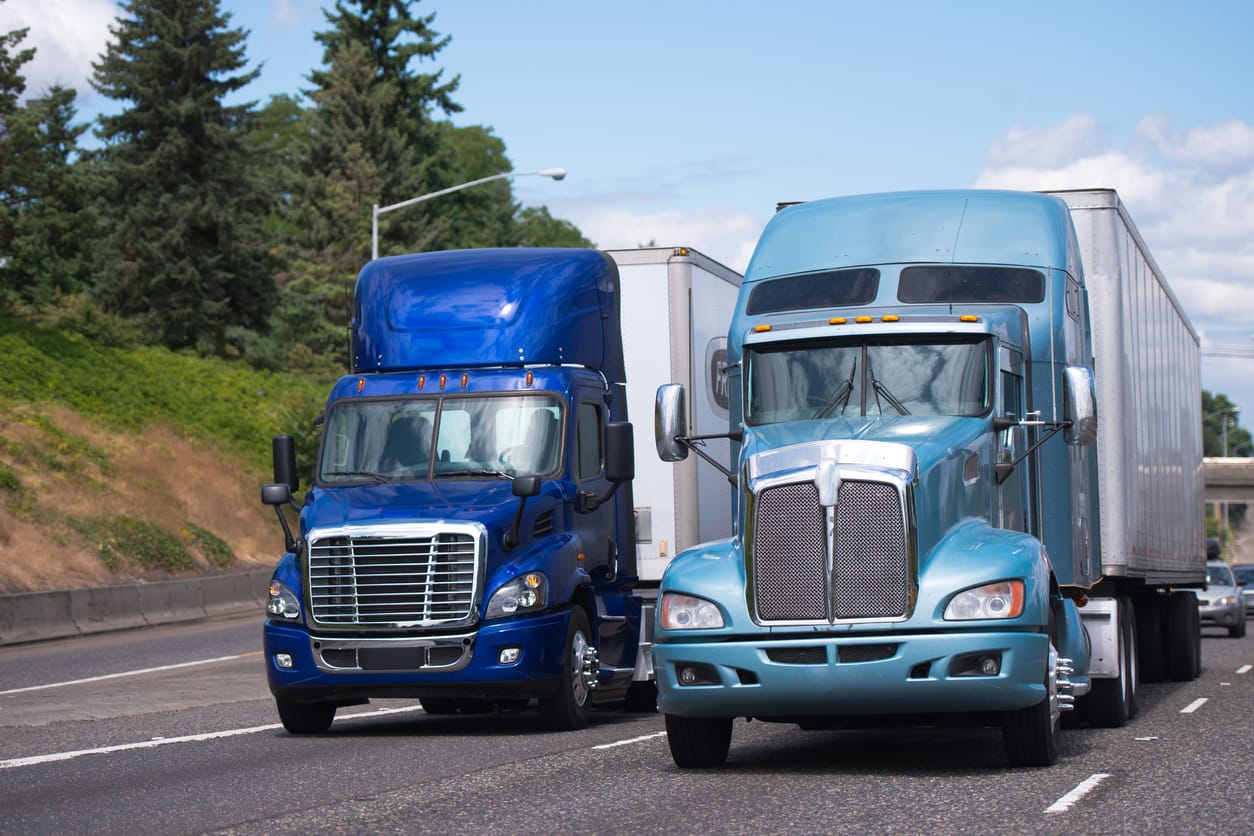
(402, 579)
(870, 555)
(789, 559)
(869, 573)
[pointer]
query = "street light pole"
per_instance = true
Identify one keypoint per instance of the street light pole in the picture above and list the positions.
(555, 173)
(1227, 412)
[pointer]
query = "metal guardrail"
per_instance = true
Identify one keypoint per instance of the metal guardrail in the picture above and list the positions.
(37, 616)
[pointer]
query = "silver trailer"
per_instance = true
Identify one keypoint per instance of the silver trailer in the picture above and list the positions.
(676, 308)
(1147, 368)
(1148, 375)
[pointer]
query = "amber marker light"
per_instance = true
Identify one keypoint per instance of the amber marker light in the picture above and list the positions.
(892, 318)
(531, 378)
(864, 319)
(422, 381)
(465, 379)
(361, 384)
(761, 329)
(443, 381)
(837, 320)
(968, 318)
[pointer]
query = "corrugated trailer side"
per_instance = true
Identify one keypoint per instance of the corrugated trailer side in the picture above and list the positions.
(1148, 378)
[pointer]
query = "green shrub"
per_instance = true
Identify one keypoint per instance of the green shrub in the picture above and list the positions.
(216, 550)
(122, 539)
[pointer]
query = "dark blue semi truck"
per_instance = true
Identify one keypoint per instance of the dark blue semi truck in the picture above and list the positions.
(468, 537)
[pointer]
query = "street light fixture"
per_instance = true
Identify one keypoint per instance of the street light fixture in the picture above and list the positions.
(555, 173)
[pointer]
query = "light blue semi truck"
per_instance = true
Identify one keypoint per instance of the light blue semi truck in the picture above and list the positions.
(967, 458)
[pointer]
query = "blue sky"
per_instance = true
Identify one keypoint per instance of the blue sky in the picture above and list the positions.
(684, 122)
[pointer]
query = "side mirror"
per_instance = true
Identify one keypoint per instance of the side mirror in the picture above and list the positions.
(276, 495)
(283, 451)
(670, 422)
(620, 452)
(1079, 405)
(525, 486)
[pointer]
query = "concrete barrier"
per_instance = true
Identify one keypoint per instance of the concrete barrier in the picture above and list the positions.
(37, 616)
(32, 616)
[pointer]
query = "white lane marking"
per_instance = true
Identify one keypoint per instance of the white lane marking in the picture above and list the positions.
(1195, 705)
(1244, 668)
(1082, 789)
(34, 760)
(629, 741)
(129, 673)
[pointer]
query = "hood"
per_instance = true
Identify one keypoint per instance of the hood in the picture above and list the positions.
(932, 437)
(490, 503)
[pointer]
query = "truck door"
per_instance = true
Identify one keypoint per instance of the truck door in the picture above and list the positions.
(597, 529)
(1014, 506)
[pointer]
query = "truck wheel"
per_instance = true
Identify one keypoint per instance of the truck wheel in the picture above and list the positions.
(1151, 645)
(698, 742)
(1112, 702)
(1031, 734)
(571, 707)
(306, 717)
(1184, 636)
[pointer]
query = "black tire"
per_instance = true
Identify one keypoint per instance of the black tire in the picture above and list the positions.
(306, 717)
(642, 698)
(1151, 642)
(1112, 702)
(1184, 636)
(437, 706)
(571, 707)
(698, 742)
(1237, 631)
(1031, 734)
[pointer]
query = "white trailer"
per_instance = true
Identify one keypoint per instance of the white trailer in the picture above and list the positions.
(1149, 406)
(676, 307)
(1147, 369)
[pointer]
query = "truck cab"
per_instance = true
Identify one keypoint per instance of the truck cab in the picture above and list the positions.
(467, 539)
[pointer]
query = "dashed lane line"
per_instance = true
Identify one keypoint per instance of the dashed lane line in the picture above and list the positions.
(138, 672)
(35, 760)
(1082, 789)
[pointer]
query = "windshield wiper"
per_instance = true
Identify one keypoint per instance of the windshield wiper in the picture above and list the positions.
(841, 395)
(881, 389)
(499, 474)
(377, 478)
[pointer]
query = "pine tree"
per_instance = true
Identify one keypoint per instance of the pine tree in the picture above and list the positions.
(45, 216)
(185, 200)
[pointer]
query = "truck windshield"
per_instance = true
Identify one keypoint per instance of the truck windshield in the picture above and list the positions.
(874, 376)
(494, 436)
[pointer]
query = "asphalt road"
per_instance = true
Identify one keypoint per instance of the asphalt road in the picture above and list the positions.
(171, 730)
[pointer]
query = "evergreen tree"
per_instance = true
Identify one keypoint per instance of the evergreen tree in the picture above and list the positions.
(45, 217)
(184, 255)
(48, 227)
(345, 156)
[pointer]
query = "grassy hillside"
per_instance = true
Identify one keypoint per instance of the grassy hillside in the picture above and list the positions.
(124, 463)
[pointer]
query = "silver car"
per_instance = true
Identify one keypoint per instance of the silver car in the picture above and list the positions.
(1245, 575)
(1220, 605)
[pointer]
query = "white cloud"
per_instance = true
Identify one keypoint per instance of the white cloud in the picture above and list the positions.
(1191, 194)
(725, 236)
(1077, 136)
(68, 35)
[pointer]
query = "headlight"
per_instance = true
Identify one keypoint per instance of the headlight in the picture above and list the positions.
(283, 603)
(1003, 599)
(1228, 601)
(523, 594)
(685, 612)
